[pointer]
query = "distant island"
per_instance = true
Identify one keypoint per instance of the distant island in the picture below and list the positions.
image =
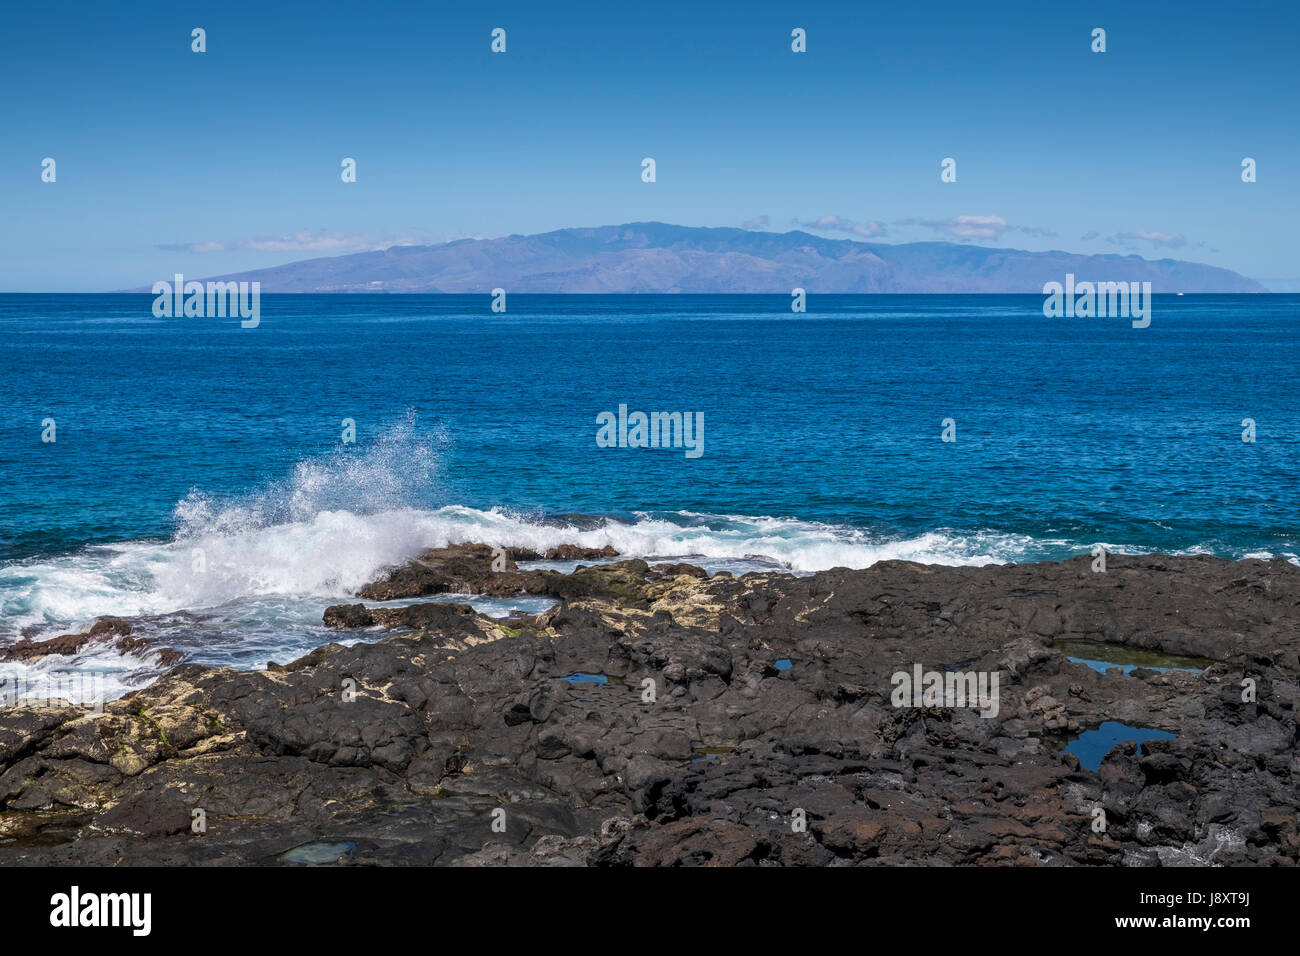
(655, 257)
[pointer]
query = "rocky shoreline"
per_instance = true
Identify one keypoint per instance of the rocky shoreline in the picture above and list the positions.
(659, 716)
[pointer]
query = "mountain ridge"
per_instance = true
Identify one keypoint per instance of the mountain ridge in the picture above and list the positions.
(655, 257)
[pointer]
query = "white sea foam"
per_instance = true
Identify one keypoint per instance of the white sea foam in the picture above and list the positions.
(225, 556)
(256, 571)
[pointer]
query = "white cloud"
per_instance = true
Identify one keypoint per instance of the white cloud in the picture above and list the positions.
(975, 228)
(1160, 240)
(323, 242)
(864, 230)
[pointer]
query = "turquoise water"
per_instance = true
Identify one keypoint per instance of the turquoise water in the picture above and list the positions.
(184, 442)
(1092, 745)
(1102, 666)
(1102, 657)
(318, 854)
(581, 678)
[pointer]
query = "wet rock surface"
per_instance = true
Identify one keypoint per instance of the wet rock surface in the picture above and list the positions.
(478, 569)
(104, 630)
(454, 739)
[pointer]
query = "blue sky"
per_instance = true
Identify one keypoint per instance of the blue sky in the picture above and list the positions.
(169, 161)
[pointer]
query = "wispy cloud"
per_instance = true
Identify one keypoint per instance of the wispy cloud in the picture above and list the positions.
(1090, 235)
(863, 230)
(1159, 240)
(975, 228)
(758, 222)
(294, 242)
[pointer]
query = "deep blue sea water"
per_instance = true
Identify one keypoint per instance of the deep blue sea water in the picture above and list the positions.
(185, 437)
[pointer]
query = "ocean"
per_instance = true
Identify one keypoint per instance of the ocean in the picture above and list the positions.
(201, 481)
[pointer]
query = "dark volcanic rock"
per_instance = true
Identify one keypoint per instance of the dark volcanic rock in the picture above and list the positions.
(104, 629)
(348, 615)
(457, 569)
(29, 650)
(169, 657)
(459, 740)
(573, 552)
(467, 569)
